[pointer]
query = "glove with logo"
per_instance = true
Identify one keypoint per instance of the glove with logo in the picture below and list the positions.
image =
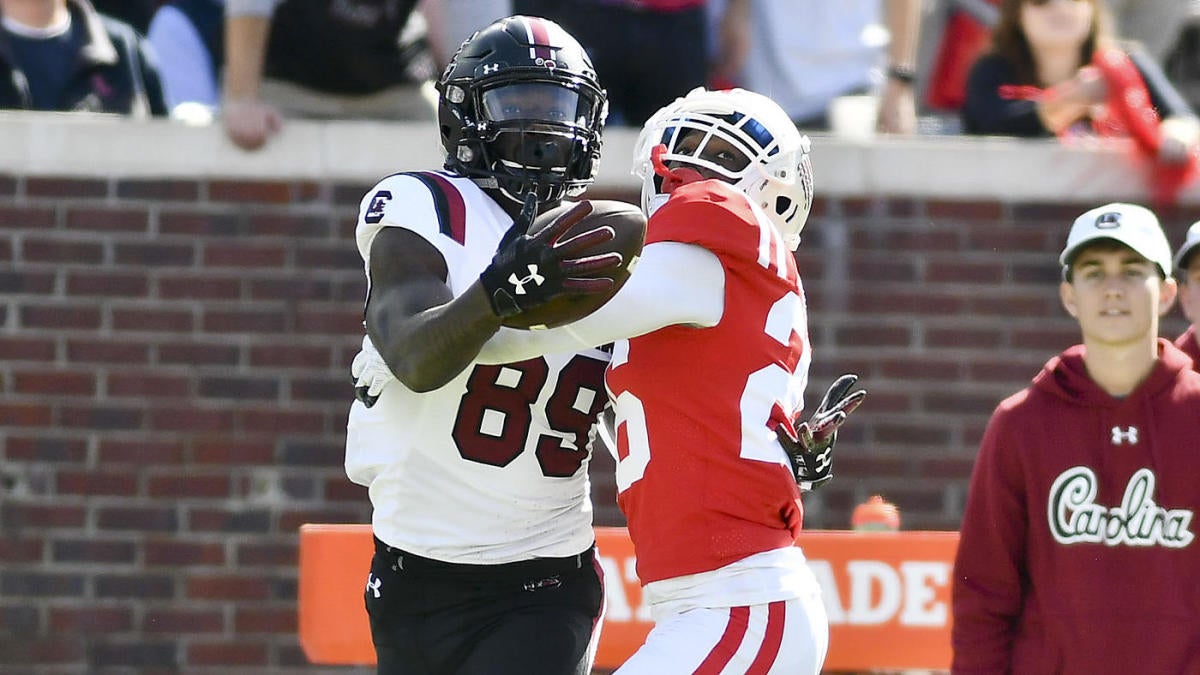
(529, 270)
(369, 373)
(810, 445)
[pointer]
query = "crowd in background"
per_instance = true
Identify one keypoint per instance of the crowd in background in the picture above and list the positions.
(1007, 67)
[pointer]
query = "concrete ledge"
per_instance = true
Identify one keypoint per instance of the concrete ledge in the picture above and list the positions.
(950, 167)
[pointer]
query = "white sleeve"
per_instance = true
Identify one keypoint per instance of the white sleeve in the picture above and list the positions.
(183, 60)
(673, 283)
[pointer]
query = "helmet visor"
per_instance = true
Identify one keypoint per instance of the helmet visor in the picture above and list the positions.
(536, 102)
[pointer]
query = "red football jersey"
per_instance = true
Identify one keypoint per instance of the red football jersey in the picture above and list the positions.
(701, 478)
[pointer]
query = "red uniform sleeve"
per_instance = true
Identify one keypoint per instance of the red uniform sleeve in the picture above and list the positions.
(708, 213)
(989, 567)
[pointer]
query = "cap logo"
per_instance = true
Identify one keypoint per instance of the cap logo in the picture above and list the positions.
(1109, 220)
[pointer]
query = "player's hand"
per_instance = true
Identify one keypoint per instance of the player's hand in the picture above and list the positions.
(369, 373)
(809, 446)
(529, 270)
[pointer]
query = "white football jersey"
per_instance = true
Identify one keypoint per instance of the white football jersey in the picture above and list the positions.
(492, 467)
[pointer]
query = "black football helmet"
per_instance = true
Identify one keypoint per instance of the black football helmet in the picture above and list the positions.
(520, 110)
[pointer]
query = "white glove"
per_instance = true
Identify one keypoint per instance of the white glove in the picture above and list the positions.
(370, 373)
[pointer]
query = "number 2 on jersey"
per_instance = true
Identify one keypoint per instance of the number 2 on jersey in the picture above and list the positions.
(770, 392)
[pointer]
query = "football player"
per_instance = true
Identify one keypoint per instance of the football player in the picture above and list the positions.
(477, 474)
(708, 371)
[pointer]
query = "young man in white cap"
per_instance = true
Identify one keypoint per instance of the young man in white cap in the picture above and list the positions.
(1187, 266)
(1078, 537)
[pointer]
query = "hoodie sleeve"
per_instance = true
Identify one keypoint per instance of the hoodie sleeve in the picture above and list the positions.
(989, 567)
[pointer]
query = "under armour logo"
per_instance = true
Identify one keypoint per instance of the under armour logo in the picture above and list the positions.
(373, 584)
(490, 68)
(519, 284)
(1130, 435)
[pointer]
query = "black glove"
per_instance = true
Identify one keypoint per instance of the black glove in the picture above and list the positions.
(528, 271)
(810, 446)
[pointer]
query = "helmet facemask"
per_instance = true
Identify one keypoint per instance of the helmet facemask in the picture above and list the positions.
(773, 169)
(521, 123)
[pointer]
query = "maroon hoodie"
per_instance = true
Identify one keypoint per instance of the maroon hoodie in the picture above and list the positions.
(1188, 345)
(1079, 549)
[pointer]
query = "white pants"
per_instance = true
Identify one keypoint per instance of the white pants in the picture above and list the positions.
(789, 637)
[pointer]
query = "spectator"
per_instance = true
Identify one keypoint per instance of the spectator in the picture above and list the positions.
(806, 53)
(647, 52)
(964, 27)
(1187, 266)
(1077, 541)
(61, 55)
(189, 38)
(1041, 78)
(477, 471)
(321, 59)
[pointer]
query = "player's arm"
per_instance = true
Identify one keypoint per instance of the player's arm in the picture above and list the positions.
(673, 284)
(424, 334)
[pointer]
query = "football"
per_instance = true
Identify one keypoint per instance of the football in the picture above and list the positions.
(627, 222)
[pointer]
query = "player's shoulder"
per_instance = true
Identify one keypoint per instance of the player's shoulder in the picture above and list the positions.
(712, 214)
(708, 197)
(428, 202)
(414, 188)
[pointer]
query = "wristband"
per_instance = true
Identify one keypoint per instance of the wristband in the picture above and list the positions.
(902, 74)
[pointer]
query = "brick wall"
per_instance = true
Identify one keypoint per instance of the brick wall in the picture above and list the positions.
(174, 384)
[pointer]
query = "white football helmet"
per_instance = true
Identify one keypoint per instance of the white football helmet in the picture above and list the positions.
(778, 177)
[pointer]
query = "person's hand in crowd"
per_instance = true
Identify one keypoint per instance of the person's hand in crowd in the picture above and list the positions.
(250, 122)
(1179, 139)
(1063, 104)
(1087, 88)
(897, 108)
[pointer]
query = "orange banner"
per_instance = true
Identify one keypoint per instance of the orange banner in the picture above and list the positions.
(887, 595)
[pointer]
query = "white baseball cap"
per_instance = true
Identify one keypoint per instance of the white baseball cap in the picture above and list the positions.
(1135, 226)
(1189, 245)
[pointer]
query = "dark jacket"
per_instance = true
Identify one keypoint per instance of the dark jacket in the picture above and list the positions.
(349, 48)
(114, 72)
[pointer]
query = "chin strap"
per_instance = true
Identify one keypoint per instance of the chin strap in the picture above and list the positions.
(672, 178)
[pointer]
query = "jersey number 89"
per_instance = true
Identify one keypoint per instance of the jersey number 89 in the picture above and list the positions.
(505, 396)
